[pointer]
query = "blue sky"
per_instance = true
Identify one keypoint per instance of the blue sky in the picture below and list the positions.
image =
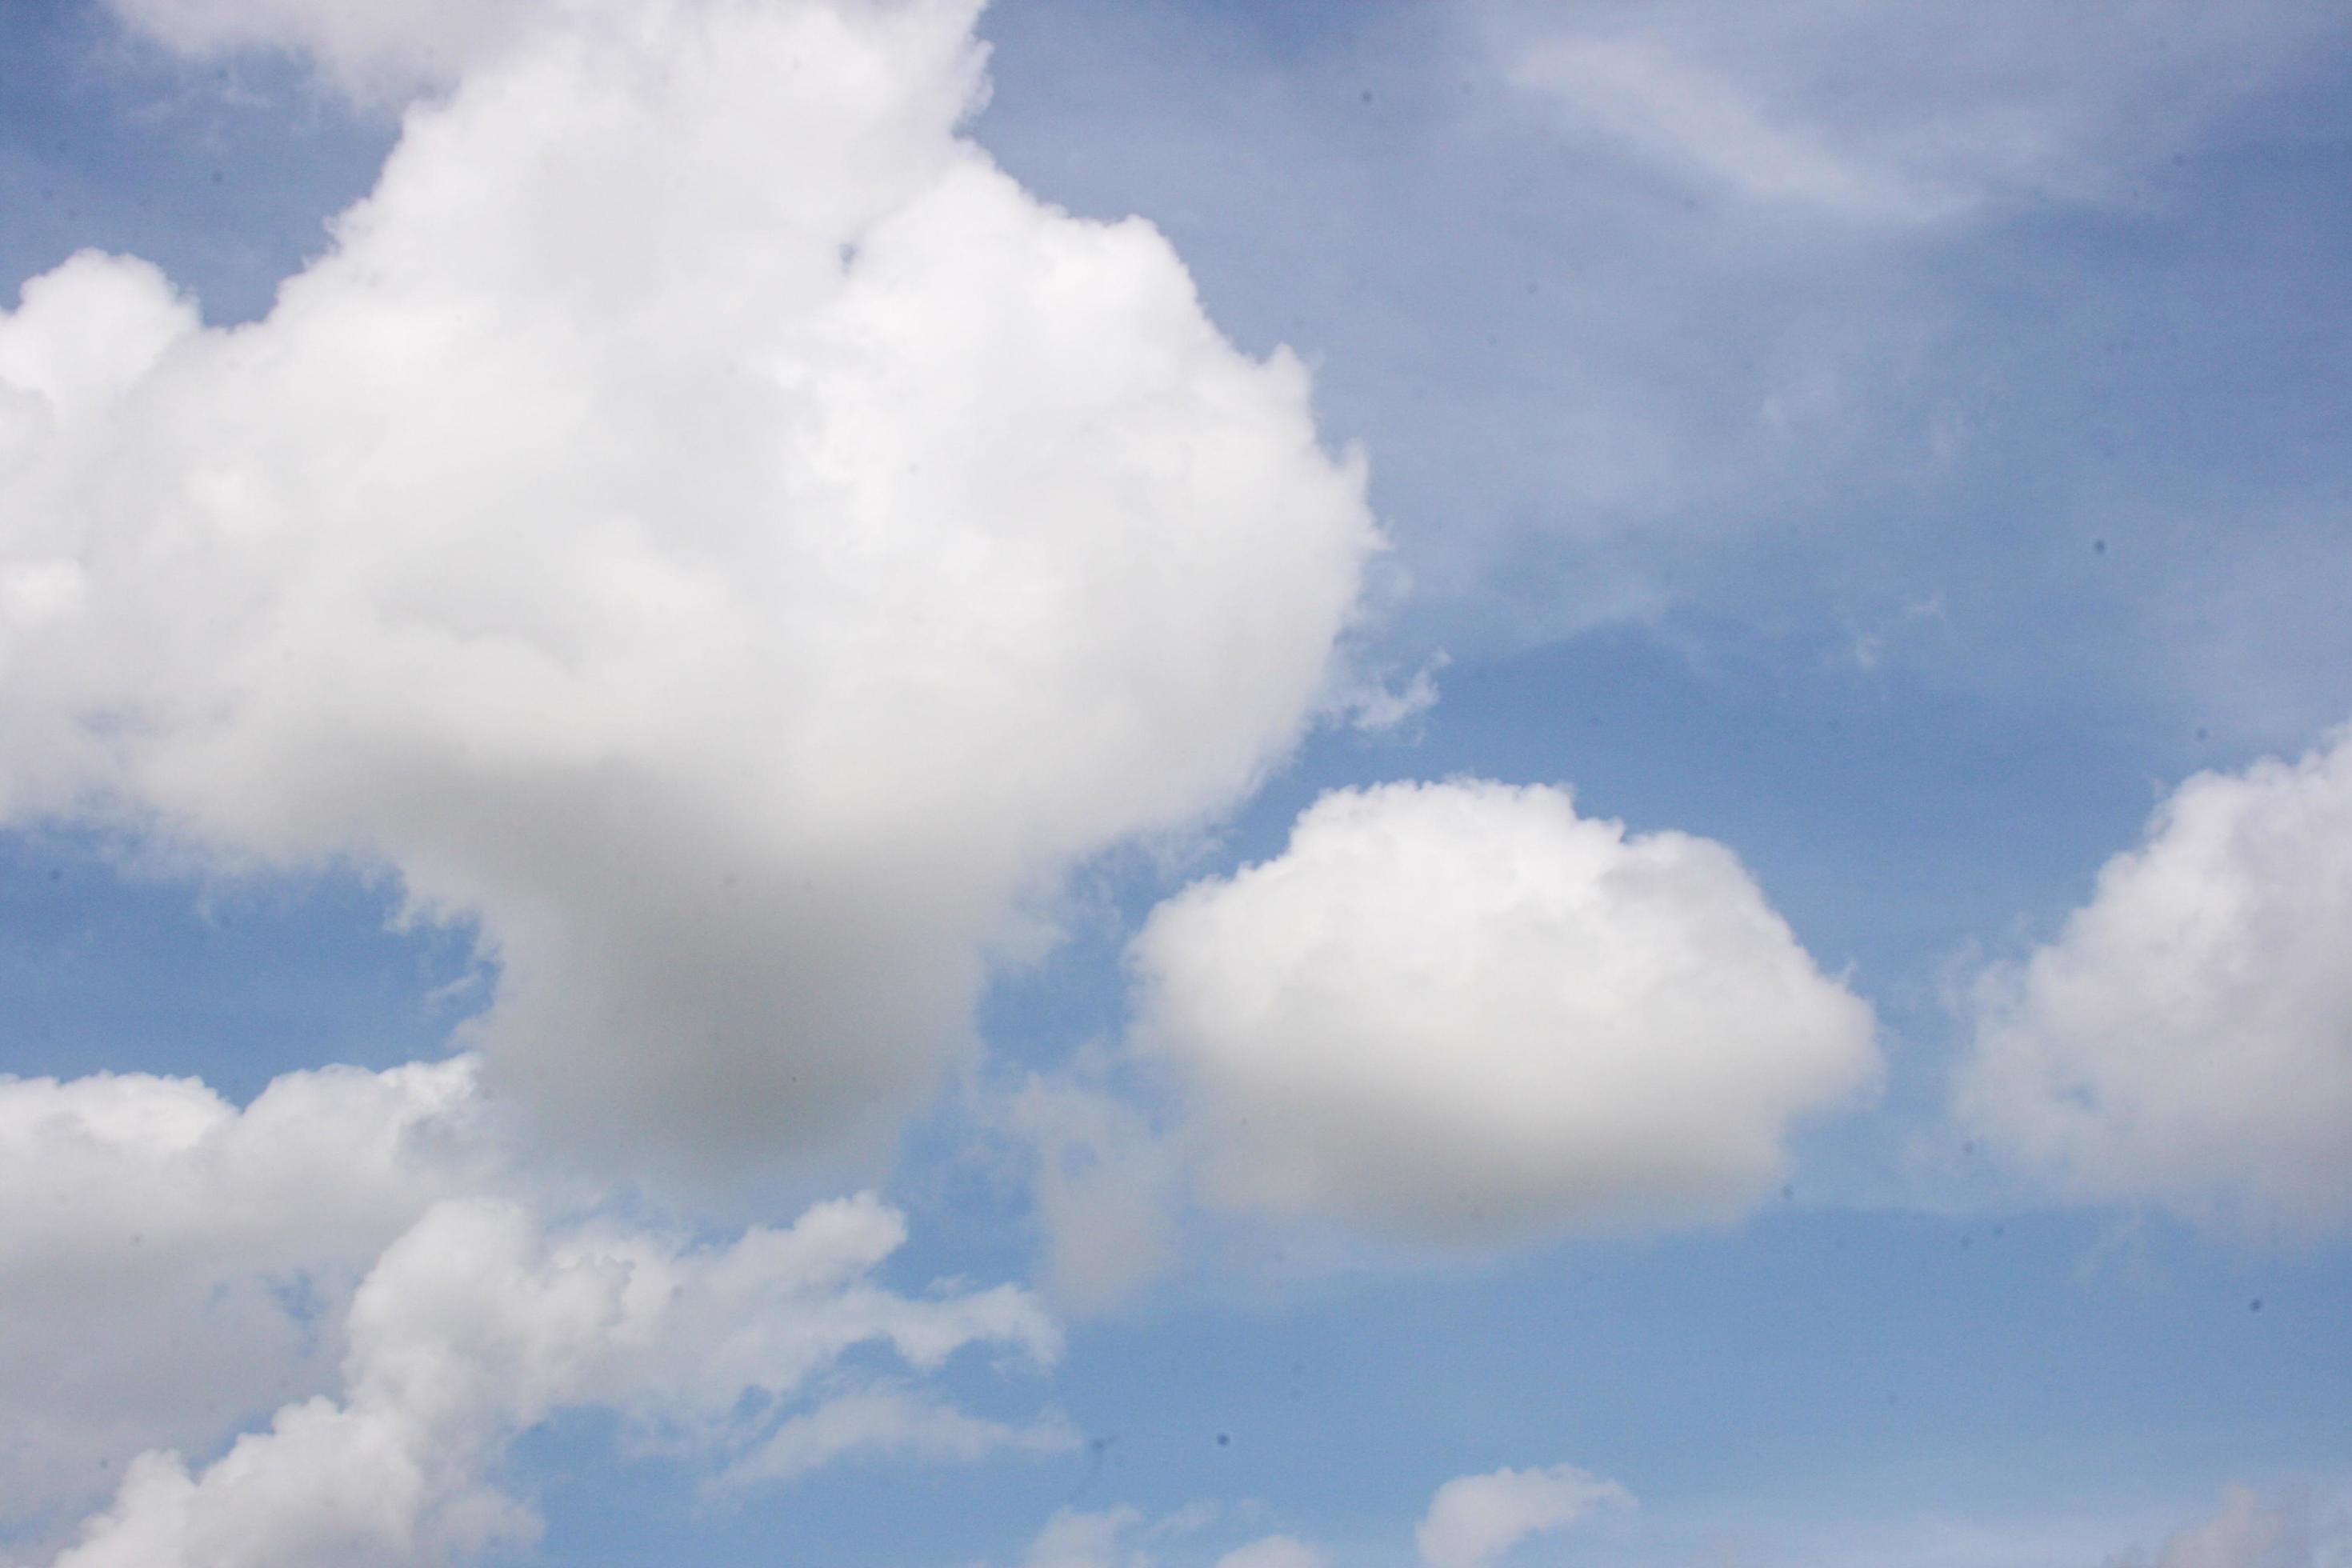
(1445, 824)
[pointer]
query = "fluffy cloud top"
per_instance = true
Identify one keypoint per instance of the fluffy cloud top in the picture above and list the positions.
(1474, 1519)
(150, 1264)
(701, 521)
(2187, 1036)
(1463, 1007)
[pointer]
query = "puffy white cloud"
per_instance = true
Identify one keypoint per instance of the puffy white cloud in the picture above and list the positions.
(1462, 1008)
(173, 1264)
(701, 521)
(1474, 1519)
(358, 1251)
(82, 336)
(2187, 1038)
(1276, 1552)
(483, 1320)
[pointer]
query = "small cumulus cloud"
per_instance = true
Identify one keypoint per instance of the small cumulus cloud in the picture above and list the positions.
(1475, 1519)
(1462, 1010)
(2187, 1038)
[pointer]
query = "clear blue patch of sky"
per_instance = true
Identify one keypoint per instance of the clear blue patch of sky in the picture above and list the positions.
(223, 174)
(107, 966)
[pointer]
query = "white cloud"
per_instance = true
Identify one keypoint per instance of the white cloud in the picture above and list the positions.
(372, 48)
(889, 1421)
(172, 1264)
(1460, 1009)
(82, 337)
(1910, 113)
(2249, 1531)
(1081, 1537)
(484, 1319)
(2187, 1038)
(1474, 1519)
(1075, 1538)
(1276, 1552)
(2300, 1525)
(701, 521)
(1637, 90)
(358, 1251)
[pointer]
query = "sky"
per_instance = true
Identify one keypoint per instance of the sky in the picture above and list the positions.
(885, 784)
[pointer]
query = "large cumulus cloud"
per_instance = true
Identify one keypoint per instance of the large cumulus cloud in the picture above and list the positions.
(701, 521)
(2187, 1038)
(1463, 1009)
